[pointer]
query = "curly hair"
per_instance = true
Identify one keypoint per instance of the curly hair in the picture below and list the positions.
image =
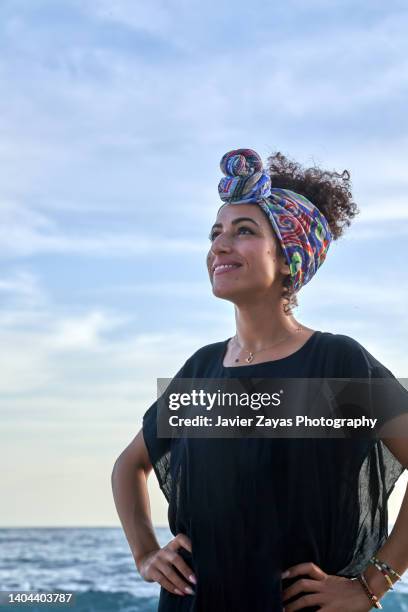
(330, 192)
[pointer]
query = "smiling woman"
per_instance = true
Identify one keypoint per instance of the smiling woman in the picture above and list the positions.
(261, 523)
(244, 255)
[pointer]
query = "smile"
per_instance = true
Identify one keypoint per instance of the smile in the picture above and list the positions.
(221, 269)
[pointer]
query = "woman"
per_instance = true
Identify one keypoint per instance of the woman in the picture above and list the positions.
(262, 524)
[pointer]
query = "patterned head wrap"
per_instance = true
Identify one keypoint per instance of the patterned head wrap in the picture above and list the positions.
(300, 227)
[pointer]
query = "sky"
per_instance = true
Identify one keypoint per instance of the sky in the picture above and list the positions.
(113, 118)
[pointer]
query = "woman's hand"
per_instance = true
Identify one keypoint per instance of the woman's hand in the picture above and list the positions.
(158, 566)
(331, 593)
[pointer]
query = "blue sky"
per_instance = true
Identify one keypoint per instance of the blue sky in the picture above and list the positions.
(113, 118)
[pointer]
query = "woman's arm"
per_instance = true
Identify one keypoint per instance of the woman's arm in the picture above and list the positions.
(129, 487)
(395, 550)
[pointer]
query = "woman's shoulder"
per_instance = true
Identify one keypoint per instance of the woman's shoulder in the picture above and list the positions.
(341, 342)
(209, 349)
(356, 357)
(204, 358)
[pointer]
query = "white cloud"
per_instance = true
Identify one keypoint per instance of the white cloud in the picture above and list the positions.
(27, 233)
(24, 367)
(63, 355)
(82, 332)
(21, 288)
(100, 134)
(164, 289)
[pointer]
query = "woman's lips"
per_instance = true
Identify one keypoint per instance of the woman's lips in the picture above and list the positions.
(226, 268)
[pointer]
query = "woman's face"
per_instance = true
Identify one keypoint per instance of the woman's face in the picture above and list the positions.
(245, 259)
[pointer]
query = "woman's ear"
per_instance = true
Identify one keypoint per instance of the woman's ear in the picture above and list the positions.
(283, 264)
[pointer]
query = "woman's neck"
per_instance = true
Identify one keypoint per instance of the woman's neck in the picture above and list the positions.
(258, 326)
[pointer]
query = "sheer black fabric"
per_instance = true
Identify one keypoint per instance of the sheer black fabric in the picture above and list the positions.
(254, 507)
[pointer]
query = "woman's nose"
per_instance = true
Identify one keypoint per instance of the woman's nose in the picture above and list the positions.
(221, 244)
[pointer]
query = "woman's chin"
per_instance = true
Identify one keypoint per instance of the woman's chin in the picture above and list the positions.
(226, 293)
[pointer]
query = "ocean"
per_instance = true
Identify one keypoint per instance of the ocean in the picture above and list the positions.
(96, 565)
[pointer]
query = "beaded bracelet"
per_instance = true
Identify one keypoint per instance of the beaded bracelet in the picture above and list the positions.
(373, 598)
(385, 566)
(384, 573)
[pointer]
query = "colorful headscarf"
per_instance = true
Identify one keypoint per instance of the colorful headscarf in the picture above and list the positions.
(300, 227)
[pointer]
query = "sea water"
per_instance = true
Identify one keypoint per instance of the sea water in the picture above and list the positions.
(96, 565)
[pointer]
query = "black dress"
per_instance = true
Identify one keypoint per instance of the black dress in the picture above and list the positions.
(255, 507)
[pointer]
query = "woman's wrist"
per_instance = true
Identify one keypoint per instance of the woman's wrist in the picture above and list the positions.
(376, 581)
(141, 557)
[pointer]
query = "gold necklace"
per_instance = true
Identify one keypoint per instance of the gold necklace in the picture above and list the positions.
(251, 355)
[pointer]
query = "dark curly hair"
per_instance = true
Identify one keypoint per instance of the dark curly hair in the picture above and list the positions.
(330, 192)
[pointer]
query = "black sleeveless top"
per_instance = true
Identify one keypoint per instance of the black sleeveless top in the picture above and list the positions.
(255, 507)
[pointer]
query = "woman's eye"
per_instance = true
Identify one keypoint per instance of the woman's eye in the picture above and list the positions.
(213, 235)
(247, 229)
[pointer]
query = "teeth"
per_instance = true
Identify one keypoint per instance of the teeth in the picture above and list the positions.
(223, 266)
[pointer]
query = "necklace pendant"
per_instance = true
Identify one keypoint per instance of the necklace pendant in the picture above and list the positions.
(249, 358)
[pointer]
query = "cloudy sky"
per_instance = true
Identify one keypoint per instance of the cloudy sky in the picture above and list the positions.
(113, 117)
